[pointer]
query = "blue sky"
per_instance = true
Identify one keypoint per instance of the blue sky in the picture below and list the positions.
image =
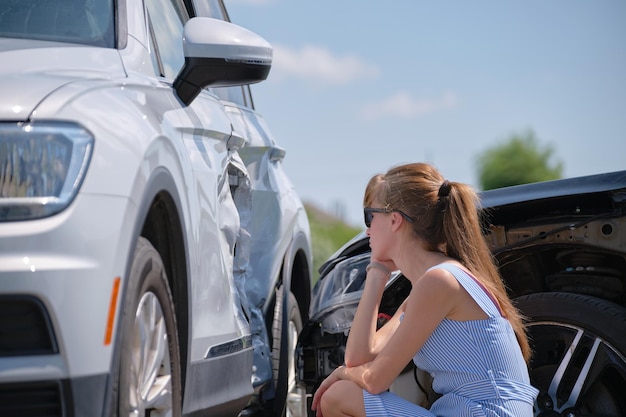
(359, 86)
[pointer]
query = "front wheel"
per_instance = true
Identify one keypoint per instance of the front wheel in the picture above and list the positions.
(579, 354)
(149, 373)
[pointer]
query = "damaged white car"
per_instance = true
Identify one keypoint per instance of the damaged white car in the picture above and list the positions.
(560, 247)
(155, 259)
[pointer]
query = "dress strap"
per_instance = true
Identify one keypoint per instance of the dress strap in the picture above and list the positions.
(475, 289)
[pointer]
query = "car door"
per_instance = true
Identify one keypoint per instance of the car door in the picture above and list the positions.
(219, 333)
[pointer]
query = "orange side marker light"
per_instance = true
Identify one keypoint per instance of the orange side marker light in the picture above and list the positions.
(112, 309)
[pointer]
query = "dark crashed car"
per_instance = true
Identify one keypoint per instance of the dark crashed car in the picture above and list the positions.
(561, 249)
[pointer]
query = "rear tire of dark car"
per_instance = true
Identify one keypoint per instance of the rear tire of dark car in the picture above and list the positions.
(149, 373)
(579, 354)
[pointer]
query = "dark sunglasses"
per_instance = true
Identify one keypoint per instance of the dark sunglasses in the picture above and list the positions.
(368, 214)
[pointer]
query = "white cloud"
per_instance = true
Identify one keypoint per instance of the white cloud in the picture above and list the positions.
(318, 64)
(403, 105)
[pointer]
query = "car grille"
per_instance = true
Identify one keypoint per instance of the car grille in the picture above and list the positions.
(31, 400)
(25, 327)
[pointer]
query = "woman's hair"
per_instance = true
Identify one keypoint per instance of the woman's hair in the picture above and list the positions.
(446, 218)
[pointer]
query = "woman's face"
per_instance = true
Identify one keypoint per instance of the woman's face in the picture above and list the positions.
(380, 233)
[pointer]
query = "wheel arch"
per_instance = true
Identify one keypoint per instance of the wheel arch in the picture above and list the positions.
(158, 220)
(576, 269)
(296, 271)
(163, 227)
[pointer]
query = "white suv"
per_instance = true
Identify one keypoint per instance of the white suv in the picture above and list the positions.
(155, 259)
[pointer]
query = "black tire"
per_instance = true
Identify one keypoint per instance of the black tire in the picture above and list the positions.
(149, 373)
(294, 402)
(579, 354)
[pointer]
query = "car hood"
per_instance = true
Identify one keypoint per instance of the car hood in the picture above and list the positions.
(32, 70)
(607, 183)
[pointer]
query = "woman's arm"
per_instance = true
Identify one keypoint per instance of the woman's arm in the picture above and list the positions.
(364, 342)
(432, 299)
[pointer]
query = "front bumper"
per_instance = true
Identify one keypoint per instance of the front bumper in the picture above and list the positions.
(57, 278)
(74, 397)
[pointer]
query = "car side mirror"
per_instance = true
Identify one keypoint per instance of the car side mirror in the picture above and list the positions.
(220, 54)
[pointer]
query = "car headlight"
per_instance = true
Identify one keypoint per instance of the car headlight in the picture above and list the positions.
(336, 295)
(42, 166)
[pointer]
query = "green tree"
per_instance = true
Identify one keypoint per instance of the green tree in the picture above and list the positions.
(518, 160)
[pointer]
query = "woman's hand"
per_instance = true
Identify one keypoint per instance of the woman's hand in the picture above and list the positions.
(387, 263)
(330, 380)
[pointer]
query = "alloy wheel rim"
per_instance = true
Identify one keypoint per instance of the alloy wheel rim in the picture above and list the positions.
(583, 375)
(150, 383)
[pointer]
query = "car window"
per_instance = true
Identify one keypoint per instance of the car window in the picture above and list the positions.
(233, 94)
(154, 55)
(75, 21)
(210, 8)
(240, 95)
(167, 18)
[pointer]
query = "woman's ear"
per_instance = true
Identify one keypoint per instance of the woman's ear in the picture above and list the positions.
(396, 220)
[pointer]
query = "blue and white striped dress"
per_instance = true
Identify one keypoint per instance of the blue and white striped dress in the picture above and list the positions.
(477, 365)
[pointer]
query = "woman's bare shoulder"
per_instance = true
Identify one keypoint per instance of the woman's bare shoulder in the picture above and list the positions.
(438, 279)
(436, 293)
